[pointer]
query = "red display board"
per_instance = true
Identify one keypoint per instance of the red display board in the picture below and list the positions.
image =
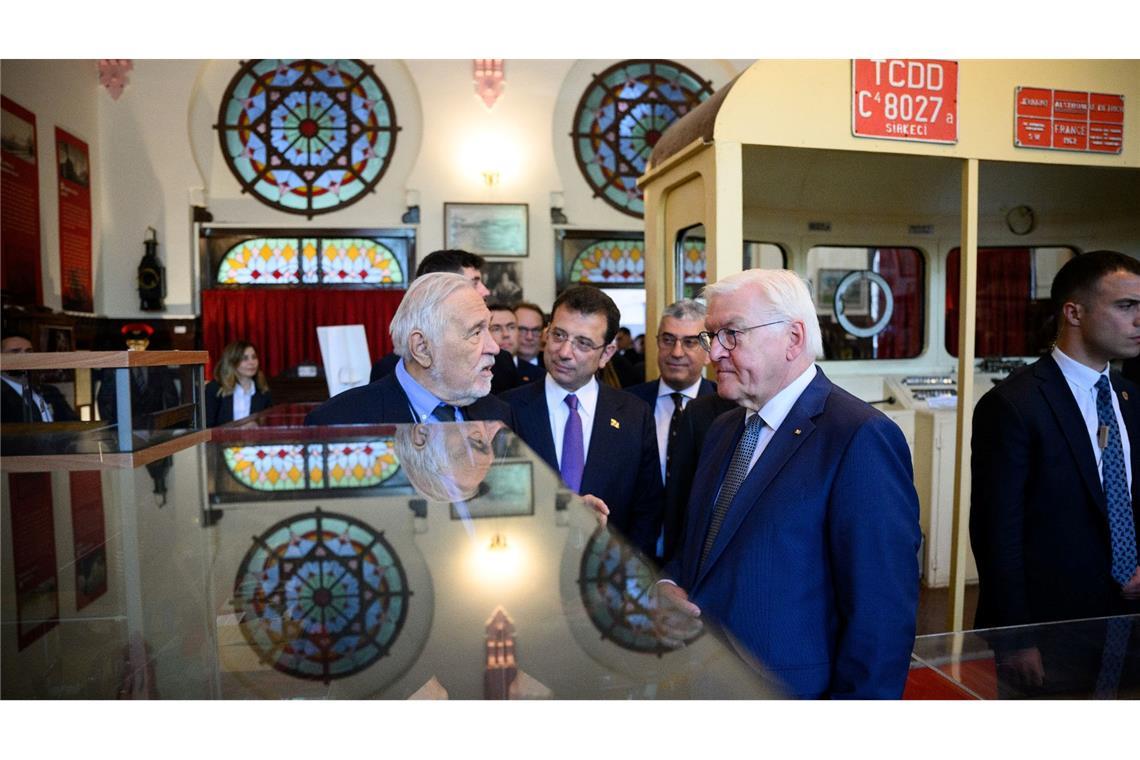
(1089, 122)
(33, 555)
(73, 161)
(89, 536)
(20, 271)
(913, 99)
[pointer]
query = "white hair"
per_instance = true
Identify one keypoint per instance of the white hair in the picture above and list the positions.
(787, 296)
(420, 309)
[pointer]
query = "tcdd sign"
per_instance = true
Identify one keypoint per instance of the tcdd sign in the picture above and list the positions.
(905, 99)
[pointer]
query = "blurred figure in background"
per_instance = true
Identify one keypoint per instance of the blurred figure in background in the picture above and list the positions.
(23, 400)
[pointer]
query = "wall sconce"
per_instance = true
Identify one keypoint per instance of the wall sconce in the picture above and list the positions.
(490, 177)
(412, 201)
(557, 202)
(498, 542)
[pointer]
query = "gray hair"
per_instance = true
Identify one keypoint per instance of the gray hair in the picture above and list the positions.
(420, 309)
(787, 295)
(686, 308)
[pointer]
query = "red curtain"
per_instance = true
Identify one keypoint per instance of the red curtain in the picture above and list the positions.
(282, 323)
(902, 269)
(1003, 302)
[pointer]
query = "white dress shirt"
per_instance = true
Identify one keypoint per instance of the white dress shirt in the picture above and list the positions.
(663, 414)
(1082, 382)
(776, 411)
(560, 412)
(242, 400)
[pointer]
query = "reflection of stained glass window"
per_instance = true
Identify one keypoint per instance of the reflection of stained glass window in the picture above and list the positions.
(287, 261)
(321, 596)
(307, 136)
(283, 467)
(620, 118)
(694, 262)
(615, 581)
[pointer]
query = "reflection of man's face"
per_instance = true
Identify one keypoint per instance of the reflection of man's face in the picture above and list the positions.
(450, 461)
(463, 357)
(15, 345)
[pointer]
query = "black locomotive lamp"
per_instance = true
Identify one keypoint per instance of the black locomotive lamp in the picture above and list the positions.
(152, 276)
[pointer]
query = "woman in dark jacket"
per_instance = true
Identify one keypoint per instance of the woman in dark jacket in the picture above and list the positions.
(238, 384)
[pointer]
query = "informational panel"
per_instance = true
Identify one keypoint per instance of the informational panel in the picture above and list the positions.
(89, 536)
(914, 99)
(73, 160)
(20, 274)
(33, 555)
(344, 351)
(1089, 122)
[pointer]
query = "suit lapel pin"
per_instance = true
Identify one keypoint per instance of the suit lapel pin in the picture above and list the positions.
(1124, 395)
(615, 424)
(797, 431)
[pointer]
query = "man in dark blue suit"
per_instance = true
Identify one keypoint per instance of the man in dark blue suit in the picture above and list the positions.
(1051, 541)
(802, 532)
(602, 440)
(528, 347)
(680, 360)
(441, 331)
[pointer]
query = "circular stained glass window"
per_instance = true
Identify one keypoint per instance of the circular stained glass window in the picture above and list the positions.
(620, 118)
(307, 136)
(615, 581)
(321, 596)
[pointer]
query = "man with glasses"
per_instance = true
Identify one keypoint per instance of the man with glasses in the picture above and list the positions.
(802, 532)
(680, 360)
(603, 441)
(528, 352)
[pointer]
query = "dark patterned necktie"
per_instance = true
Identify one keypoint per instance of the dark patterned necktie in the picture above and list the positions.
(737, 472)
(444, 413)
(573, 447)
(1121, 529)
(678, 407)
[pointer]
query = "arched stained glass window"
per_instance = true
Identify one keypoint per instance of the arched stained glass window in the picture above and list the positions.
(610, 261)
(288, 261)
(357, 260)
(321, 596)
(307, 136)
(284, 467)
(615, 581)
(619, 119)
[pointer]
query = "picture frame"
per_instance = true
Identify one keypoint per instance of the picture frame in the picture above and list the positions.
(509, 492)
(57, 338)
(856, 301)
(504, 280)
(488, 229)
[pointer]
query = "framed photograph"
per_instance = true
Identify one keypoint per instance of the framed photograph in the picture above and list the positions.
(509, 493)
(488, 229)
(504, 280)
(856, 301)
(57, 338)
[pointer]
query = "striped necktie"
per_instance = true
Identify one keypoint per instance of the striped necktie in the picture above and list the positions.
(737, 472)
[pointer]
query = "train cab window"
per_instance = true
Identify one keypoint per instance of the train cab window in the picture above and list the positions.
(764, 256)
(870, 301)
(1014, 311)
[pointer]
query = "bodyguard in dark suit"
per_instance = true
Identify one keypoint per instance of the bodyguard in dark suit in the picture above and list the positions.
(680, 360)
(528, 351)
(802, 529)
(441, 330)
(1056, 451)
(602, 440)
(23, 403)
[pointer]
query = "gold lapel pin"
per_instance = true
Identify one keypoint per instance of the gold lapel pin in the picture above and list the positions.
(797, 431)
(1124, 395)
(615, 424)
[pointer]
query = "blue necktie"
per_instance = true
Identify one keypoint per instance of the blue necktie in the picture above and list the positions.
(573, 449)
(1121, 529)
(444, 413)
(737, 472)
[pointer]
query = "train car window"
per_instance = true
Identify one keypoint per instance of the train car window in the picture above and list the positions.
(764, 256)
(1014, 311)
(871, 302)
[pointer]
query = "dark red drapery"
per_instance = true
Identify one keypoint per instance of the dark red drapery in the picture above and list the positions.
(1003, 301)
(282, 323)
(902, 269)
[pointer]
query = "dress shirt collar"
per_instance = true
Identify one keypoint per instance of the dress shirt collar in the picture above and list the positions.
(1076, 373)
(422, 401)
(779, 406)
(587, 395)
(689, 393)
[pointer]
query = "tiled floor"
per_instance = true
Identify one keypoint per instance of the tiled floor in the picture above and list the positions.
(932, 606)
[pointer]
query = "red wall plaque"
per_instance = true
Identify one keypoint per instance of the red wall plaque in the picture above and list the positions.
(1090, 122)
(905, 99)
(20, 273)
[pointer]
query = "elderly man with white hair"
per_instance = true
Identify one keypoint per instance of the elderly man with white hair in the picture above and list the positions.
(441, 331)
(802, 532)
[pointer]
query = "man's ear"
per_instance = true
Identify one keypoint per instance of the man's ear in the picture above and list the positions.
(1071, 313)
(418, 349)
(797, 340)
(607, 354)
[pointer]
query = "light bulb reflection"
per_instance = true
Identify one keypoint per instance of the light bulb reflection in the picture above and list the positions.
(497, 561)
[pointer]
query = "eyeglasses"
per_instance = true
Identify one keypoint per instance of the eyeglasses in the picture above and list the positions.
(581, 345)
(499, 329)
(688, 342)
(727, 335)
(534, 332)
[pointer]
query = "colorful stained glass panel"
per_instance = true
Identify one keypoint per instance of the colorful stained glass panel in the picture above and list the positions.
(356, 260)
(262, 261)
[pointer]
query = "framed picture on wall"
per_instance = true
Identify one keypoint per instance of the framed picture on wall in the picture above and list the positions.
(856, 301)
(488, 229)
(504, 280)
(508, 492)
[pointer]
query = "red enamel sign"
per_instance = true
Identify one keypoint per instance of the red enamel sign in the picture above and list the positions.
(1091, 122)
(905, 99)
